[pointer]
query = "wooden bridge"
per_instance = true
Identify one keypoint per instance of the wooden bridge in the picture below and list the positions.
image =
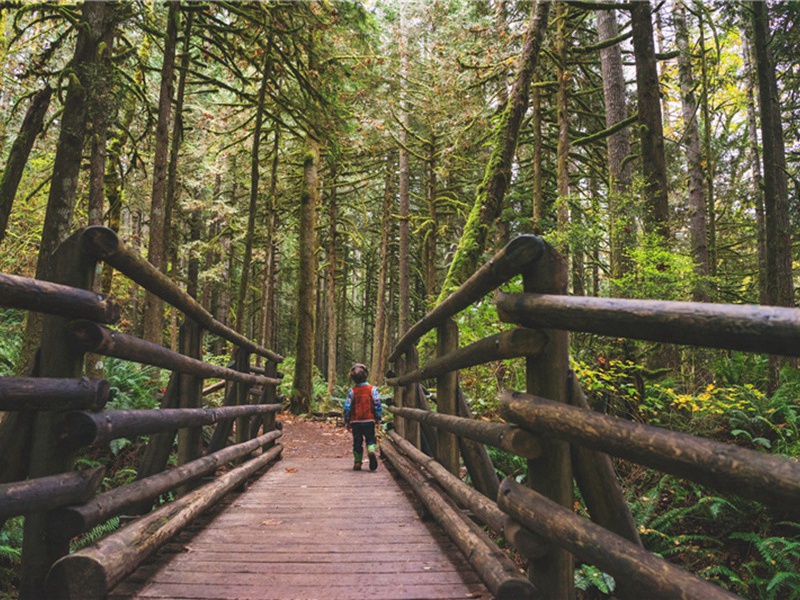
(310, 528)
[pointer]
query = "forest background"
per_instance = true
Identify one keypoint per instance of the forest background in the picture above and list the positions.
(318, 175)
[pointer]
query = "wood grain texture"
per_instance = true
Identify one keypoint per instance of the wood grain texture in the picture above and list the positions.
(311, 528)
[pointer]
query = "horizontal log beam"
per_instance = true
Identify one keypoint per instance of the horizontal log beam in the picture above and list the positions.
(486, 510)
(767, 329)
(500, 435)
(85, 429)
(496, 570)
(90, 573)
(91, 337)
(214, 387)
(643, 574)
(106, 246)
(73, 520)
(52, 394)
(508, 344)
(517, 255)
(56, 299)
(773, 480)
(47, 493)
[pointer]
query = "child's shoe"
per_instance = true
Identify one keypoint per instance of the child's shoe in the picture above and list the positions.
(373, 461)
(357, 466)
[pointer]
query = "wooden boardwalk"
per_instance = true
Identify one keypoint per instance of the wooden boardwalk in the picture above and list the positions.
(311, 528)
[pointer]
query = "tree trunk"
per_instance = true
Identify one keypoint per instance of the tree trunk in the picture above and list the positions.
(268, 297)
(302, 394)
(330, 286)
(622, 224)
(709, 159)
(379, 333)
(244, 282)
(780, 289)
(96, 20)
(20, 150)
(562, 149)
(537, 158)
(157, 246)
(651, 132)
(691, 136)
(776, 202)
(489, 200)
(755, 162)
(432, 230)
(405, 268)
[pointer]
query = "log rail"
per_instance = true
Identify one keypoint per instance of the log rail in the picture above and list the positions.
(551, 425)
(58, 410)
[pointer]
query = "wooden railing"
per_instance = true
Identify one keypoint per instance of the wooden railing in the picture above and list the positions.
(550, 424)
(58, 411)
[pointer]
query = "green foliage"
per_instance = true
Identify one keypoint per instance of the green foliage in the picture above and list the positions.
(319, 386)
(774, 572)
(10, 339)
(507, 464)
(10, 553)
(658, 272)
(94, 534)
(133, 386)
(589, 577)
(11, 541)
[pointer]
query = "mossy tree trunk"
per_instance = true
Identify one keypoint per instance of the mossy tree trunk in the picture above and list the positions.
(691, 134)
(622, 224)
(651, 131)
(491, 191)
(157, 243)
(302, 392)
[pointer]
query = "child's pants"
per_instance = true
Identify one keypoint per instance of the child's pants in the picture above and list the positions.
(363, 430)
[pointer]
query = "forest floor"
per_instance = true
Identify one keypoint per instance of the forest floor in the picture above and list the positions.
(315, 439)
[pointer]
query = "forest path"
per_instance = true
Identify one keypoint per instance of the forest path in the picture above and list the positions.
(310, 527)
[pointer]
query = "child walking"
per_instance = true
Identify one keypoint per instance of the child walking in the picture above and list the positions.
(362, 410)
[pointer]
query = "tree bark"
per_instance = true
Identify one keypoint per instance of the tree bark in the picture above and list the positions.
(404, 308)
(432, 230)
(491, 192)
(776, 199)
(330, 286)
(622, 224)
(691, 136)
(268, 328)
(244, 282)
(302, 392)
(96, 20)
(379, 332)
(757, 190)
(157, 245)
(651, 132)
(20, 150)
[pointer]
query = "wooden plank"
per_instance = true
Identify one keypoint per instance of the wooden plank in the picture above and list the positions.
(270, 592)
(311, 529)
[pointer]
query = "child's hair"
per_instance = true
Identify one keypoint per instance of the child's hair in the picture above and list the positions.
(358, 373)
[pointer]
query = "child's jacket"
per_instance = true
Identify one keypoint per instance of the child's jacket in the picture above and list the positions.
(363, 403)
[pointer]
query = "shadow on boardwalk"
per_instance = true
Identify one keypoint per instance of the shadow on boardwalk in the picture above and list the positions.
(310, 527)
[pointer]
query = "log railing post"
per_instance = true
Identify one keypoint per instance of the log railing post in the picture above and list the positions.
(411, 400)
(190, 394)
(399, 393)
(547, 375)
(447, 397)
(242, 359)
(269, 395)
(73, 266)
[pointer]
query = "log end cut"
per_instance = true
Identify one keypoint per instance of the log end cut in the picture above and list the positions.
(77, 577)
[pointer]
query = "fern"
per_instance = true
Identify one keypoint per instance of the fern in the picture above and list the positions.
(94, 534)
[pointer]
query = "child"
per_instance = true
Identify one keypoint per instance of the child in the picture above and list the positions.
(362, 410)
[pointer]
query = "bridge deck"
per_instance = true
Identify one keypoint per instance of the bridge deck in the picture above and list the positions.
(311, 528)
